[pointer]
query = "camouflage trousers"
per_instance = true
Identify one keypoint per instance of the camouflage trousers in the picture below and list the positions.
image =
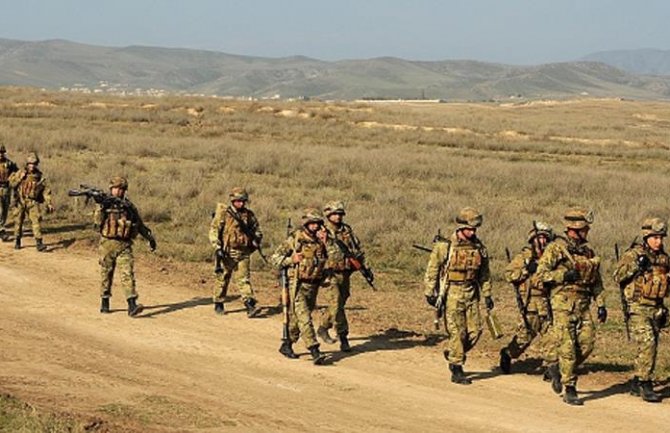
(334, 293)
(116, 254)
(33, 211)
(236, 263)
(303, 303)
(5, 196)
(645, 331)
(539, 324)
(574, 337)
(464, 322)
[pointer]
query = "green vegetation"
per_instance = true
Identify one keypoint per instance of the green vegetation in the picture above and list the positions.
(18, 417)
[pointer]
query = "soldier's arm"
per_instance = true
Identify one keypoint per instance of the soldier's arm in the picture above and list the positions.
(16, 178)
(142, 229)
(215, 226)
(97, 216)
(255, 227)
(548, 270)
(437, 258)
(515, 271)
(281, 257)
(46, 193)
(598, 291)
(485, 274)
(626, 268)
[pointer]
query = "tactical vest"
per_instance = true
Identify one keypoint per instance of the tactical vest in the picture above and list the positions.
(31, 187)
(233, 237)
(653, 284)
(314, 257)
(463, 263)
(336, 259)
(117, 223)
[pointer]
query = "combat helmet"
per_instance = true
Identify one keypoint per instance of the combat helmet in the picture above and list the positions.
(32, 158)
(469, 218)
(238, 193)
(540, 228)
(334, 207)
(653, 227)
(3, 149)
(577, 218)
(311, 215)
(118, 182)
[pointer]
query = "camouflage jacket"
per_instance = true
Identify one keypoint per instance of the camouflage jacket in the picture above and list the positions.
(562, 255)
(7, 168)
(120, 220)
(31, 187)
(456, 261)
(516, 272)
(225, 231)
(336, 256)
(314, 255)
(647, 287)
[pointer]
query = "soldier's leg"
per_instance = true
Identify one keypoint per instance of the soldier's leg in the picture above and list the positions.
(329, 297)
(4, 207)
(223, 280)
(20, 217)
(523, 337)
(456, 325)
(473, 325)
(646, 345)
(566, 324)
(35, 215)
(305, 302)
(586, 338)
(107, 264)
(344, 290)
(293, 328)
(125, 263)
(242, 275)
(545, 337)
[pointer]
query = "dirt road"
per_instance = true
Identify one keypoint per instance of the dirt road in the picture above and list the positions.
(181, 368)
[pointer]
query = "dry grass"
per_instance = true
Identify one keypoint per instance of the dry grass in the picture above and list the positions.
(403, 170)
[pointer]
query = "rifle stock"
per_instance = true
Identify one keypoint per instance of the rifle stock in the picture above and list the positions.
(521, 306)
(622, 296)
(285, 292)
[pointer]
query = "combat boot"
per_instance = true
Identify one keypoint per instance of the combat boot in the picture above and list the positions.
(318, 358)
(344, 342)
(325, 336)
(635, 386)
(647, 392)
(218, 308)
(286, 349)
(17, 243)
(39, 245)
(4, 237)
(555, 376)
(458, 376)
(250, 305)
(104, 305)
(505, 361)
(134, 308)
(570, 396)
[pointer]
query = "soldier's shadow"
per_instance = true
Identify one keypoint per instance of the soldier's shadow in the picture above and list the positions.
(60, 245)
(617, 388)
(66, 228)
(389, 339)
(171, 308)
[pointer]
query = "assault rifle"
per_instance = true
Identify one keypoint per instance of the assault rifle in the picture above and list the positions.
(285, 292)
(356, 262)
(96, 194)
(438, 293)
(255, 241)
(624, 302)
(522, 306)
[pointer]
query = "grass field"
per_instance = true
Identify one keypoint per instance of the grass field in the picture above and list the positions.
(403, 170)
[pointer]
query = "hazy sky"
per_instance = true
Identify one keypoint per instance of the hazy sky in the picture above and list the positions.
(508, 31)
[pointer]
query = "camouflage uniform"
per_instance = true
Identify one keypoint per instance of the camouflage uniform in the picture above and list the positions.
(235, 248)
(571, 270)
(119, 223)
(337, 291)
(521, 272)
(7, 168)
(458, 269)
(306, 277)
(32, 191)
(643, 275)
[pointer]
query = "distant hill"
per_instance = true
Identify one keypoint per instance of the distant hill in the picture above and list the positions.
(642, 61)
(57, 63)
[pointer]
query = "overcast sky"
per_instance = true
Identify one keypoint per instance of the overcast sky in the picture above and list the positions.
(506, 31)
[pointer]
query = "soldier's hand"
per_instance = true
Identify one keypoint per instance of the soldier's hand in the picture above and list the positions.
(570, 276)
(602, 314)
(296, 258)
(643, 262)
(489, 303)
(50, 208)
(431, 300)
(152, 244)
(532, 267)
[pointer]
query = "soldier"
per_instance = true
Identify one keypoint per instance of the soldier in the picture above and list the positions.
(521, 272)
(235, 234)
(32, 191)
(642, 272)
(458, 274)
(305, 253)
(119, 223)
(337, 289)
(7, 168)
(571, 270)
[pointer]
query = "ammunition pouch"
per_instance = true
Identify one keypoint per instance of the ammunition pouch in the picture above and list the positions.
(464, 265)
(652, 285)
(117, 225)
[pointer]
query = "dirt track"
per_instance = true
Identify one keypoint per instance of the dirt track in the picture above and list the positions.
(181, 368)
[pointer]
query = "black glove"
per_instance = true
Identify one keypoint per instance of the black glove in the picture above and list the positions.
(570, 276)
(602, 314)
(643, 262)
(662, 317)
(489, 303)
(152, 244)
(531, 267)
(431, 299)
